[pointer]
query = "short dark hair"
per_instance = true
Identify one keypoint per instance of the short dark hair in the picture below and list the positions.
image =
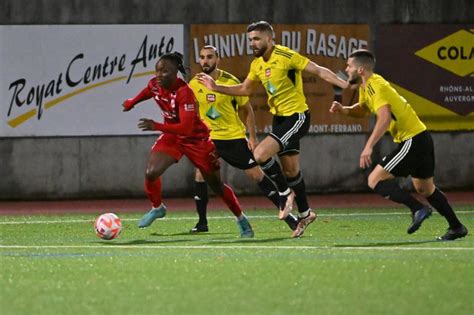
(214, 48)
(364, 56)
(261, 26)
(177, 59)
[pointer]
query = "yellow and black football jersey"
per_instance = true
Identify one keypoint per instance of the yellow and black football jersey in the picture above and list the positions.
(378, 92)
(220, 111)
(282, 78)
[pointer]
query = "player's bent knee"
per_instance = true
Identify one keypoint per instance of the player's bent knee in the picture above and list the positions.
(424, 187)
(151, 174)
(290, 173)
(260, 155)
(378, 174)
(372, 181)
(424, 191)
(259, 158)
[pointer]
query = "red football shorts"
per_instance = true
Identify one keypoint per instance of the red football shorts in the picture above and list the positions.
(201, 152)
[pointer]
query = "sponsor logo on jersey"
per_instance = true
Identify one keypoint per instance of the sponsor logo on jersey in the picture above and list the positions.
(189, 107)
(211, 97)
(268, 72)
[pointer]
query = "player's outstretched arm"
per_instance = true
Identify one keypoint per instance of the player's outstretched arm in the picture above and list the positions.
(325, 74)
(357, 110)
(131, 102)
(243, 89)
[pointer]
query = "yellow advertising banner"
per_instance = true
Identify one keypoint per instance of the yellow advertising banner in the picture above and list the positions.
(327, 45)
(432, 66)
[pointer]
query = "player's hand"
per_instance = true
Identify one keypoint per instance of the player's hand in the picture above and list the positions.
(127, 105)
(336, 108)
(252, 143)
(365, 158)
(146, 124)
(207, 81)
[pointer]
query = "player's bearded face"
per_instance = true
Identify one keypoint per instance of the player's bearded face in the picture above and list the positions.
(354, 78)
(258, 42)
(258, 52)
(352, 72)
(208, 67)
(208, 64)
(208, 61)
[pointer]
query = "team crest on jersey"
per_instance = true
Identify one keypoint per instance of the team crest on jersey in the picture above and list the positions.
(270, 87)
(213, 113)
(211, 97)
(268, 72)
(189, 107)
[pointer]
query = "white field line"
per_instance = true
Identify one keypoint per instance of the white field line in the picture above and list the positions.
(216, 217)
(212, 247)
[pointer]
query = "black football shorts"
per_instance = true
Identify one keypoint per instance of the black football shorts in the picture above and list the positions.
(236, 152)
(414, 157)
(288, 130)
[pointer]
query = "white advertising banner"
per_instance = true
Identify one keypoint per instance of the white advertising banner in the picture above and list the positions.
(70, 80)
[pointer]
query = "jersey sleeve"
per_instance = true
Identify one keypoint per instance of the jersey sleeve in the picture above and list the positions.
(298, 61)
(140, 97)
(187, 107)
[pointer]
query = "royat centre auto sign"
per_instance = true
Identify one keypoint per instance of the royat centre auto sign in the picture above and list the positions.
(70, 80)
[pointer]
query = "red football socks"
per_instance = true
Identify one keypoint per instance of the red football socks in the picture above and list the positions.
(231, 201)
(153, 191)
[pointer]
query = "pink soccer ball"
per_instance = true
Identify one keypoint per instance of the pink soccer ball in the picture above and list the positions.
(108, 226)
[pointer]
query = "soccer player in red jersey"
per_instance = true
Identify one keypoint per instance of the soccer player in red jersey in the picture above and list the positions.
(182, 133)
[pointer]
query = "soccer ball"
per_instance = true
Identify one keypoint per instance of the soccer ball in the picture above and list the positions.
(108, 226)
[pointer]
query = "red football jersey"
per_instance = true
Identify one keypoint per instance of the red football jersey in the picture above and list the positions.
(179, 108)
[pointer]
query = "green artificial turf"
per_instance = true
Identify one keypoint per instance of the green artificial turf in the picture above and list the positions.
(350, 261)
